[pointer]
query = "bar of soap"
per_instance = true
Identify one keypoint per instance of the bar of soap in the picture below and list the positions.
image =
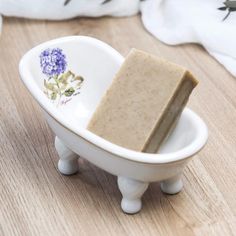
(143, 102)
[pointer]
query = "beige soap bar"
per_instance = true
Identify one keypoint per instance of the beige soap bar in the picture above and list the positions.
(143, 102)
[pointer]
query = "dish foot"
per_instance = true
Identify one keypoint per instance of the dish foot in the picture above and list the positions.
(132, 191)
(68, 162)
(172, 185)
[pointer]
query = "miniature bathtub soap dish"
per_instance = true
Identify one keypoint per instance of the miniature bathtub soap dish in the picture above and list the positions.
(67, 77)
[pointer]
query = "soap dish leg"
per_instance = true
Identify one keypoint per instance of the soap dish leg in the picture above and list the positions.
(68, 162)
(172, 185)
(132, 191)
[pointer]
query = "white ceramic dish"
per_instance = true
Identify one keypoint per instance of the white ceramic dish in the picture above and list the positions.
(70, 112)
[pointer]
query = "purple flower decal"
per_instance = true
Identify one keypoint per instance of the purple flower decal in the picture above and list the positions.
(53, 62)
(61, 84)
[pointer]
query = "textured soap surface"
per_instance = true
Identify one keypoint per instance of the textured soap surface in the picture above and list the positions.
(143, 102)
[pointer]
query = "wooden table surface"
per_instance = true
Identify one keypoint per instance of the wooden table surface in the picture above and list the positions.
(37, 200)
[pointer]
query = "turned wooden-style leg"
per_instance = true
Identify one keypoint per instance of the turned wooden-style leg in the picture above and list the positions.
(132, 191)
(172, 185)
(68, 162)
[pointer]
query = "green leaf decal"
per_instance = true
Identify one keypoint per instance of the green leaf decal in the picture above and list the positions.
(64, 77)
(62, 86)
(53, 95)
(69, 92)
(49, 86)
(80, 78)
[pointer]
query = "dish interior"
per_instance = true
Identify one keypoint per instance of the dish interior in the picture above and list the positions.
(97, 64)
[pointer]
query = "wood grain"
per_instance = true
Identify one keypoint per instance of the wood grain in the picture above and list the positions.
(36, 200)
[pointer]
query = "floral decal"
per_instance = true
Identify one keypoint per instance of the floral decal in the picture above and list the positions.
(60, 85)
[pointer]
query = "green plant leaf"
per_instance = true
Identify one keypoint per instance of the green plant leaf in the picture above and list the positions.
(79, 78)
(69, 92)
(64, 77)
(63, 87)
(49, 86)
(53, 95)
